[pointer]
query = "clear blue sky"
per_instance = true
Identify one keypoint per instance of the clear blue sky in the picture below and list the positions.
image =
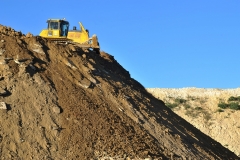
(162, 43)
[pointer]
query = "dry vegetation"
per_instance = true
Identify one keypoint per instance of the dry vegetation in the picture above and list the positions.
(214, 111)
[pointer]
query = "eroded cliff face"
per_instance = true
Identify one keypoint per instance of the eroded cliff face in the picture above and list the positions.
(200, 108)
(61, 102)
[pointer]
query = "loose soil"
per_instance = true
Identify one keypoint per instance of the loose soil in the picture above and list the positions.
(62, 102)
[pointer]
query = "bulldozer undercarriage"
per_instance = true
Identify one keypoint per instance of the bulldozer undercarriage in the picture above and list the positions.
(83, 46)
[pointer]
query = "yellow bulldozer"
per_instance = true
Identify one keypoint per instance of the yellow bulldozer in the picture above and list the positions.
(58, 31)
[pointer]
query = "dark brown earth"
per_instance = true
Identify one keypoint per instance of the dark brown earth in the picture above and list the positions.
(66, 103)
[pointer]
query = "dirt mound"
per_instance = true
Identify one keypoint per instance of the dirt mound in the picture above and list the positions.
(59, 102)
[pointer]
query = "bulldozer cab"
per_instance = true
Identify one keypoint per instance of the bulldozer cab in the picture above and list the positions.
(57, 28)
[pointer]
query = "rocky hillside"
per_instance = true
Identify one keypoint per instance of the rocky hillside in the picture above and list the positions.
(216, 112)
(58, 101)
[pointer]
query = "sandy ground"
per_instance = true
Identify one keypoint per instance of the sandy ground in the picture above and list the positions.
(203, 112)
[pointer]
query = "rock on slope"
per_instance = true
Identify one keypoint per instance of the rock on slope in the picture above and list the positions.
(59, 102)
(201, 109)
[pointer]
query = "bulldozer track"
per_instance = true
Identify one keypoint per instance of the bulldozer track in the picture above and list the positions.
(67, 41)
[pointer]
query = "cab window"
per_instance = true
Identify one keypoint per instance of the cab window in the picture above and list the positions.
(53, 25)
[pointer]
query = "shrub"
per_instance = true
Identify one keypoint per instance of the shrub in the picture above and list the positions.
(187, 106)
(180, 100)
(198, 108)
(192, 98)
(171, 105)
(234, 106)
(220, 110)
(232, 98)
(223, 105)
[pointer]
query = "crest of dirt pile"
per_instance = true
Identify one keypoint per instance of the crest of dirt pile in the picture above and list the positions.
(59, 102)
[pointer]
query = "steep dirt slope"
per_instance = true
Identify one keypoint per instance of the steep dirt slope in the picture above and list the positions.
(59, 102)
(200, 107)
